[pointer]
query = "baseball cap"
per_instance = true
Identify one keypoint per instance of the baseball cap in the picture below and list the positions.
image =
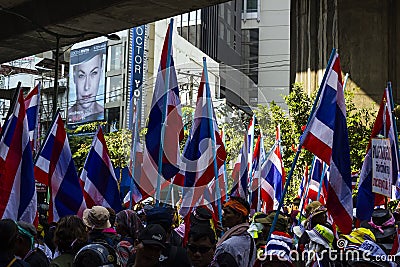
(153, 234)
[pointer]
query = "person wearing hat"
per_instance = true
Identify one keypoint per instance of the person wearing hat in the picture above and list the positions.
(95, 255)
(149, 245)
(236, 247)
(96, 220)
(321, 240)
(382, 225)
(357, 237)
(315, 214)
(88, 68)
(8, 237)
(173, 254)
(25, 246)
(128, 226)
(371, 254)
(280, 243)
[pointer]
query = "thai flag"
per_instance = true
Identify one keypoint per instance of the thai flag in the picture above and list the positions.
(326, 137)
(17, 184)
(32, 105)
(273, 173)
(366, 200)
(161, 159)
(200, 151)
(240, 172)
(303, 184)
(100, 186)
(55, 168)
(319, 172)
(258, 159)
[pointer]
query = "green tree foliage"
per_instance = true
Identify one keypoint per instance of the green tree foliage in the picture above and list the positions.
(118, 144)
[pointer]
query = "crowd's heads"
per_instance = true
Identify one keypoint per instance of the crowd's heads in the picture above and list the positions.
(70, 234)
(316, 215)
(359, 235)
(200, 216)
(94, 255)
(27, 233)
(160, 215)
(127, 223)
(322, 235)
(278, 249)
(382, 225)
(149, 245)
(235, 211)
(111, 211)
(153, 235)
(310, 208)
(96, 218)
(201, 245)
(8, 235)
(370, 252)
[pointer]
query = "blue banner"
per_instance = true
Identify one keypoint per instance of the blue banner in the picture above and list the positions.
(137, 68)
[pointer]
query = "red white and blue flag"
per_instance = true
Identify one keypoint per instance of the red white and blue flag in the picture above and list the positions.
(198, 155)
(161, 157)
(273, 174)
(326, 137)
(18, 199)
(366, 199)
(55, 168)
(319, 172)
(240, 172)
(100, 186)
(32, 105)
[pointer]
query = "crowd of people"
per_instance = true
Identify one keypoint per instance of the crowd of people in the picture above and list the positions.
(155, 236)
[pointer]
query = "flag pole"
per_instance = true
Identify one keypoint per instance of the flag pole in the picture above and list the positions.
(250, 160)
(213, 142)
(225, 174)
(164, 113)
(394, 120)
(305, 192)
(299, 147)
(321, 181)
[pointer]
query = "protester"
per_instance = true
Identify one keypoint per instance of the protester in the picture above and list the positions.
(277, 249)
(382, 225)
(128, 226)
(95, 255)
(8, 237)
(236, 247)
(148, 246)
(111, 232)
(173, 254)
(321, 240)
(70, 236)
(357, 237)
(25, 246)
(371, 254)
(96, 220)
(201, 245)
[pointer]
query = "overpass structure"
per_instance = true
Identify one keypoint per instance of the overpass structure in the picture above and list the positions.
(32, 26)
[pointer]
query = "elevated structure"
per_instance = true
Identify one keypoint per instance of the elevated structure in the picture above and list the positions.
(26, 21)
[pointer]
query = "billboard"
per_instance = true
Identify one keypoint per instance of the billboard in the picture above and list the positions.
(87, 83)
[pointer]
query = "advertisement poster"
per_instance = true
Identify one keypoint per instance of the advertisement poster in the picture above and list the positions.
(87, 83)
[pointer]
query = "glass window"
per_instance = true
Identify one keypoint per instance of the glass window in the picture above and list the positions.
(251, 5)
(114, 88)
(250, 40)
(115, 57)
